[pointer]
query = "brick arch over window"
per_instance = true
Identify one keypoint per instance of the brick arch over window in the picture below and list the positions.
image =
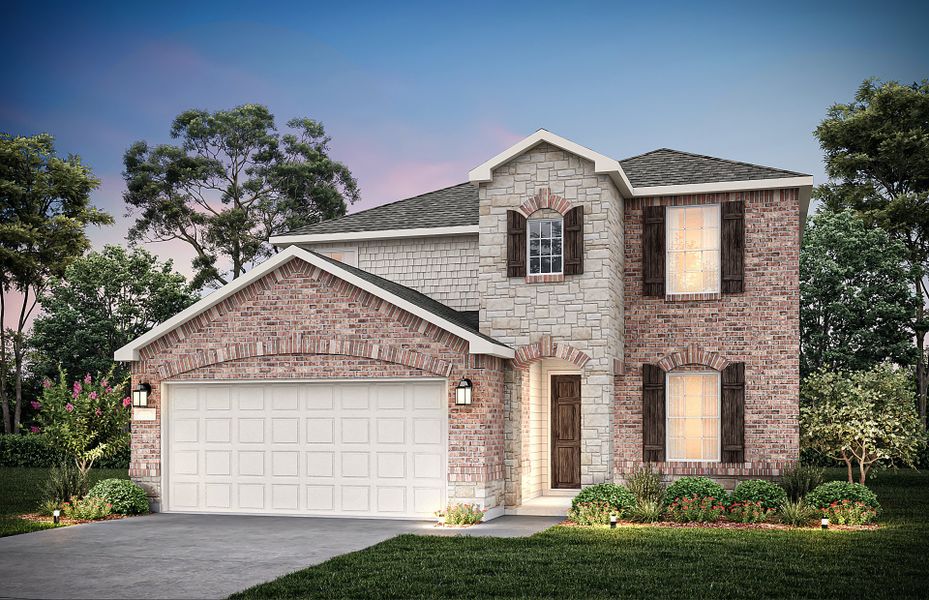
(693, 355)
(544, 198)
(546, 348)
(304, 344)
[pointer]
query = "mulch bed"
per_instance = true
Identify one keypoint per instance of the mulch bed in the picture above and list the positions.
(727, 525)
(66, 521)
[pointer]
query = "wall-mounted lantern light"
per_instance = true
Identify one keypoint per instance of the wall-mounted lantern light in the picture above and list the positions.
(463, 391)
(140, 395)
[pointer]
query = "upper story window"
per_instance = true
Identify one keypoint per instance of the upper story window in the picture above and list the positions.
(545, 246)
(693, 249)
(693, 416)
(348, 256)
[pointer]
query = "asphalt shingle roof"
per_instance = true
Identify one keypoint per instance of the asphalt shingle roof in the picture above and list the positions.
(466, 319)
(458, 205)
(674, 167)
(449, 207)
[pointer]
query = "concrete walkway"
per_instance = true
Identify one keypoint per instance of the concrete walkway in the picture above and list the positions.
(196, 556)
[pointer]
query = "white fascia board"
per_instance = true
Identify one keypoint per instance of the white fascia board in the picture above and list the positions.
(477, 344)
(724, 186)
(384, 234)
(602, 164)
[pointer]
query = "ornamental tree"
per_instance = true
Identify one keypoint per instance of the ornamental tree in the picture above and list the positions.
(862, 418)
(88, 419)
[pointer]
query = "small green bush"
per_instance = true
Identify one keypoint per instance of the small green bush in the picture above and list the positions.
(647, 511)
(769, 495)
(847, 512)
(646, 485)
(595, 512)
(837, 491)
(796, 513)
(461, 514)
(799, 480)
(87, 509)
(35, 450)
(65, 482)
(125, 497)
(749, 512)
(696, 509)
(619, 499)
(695, 487)
(48, 507)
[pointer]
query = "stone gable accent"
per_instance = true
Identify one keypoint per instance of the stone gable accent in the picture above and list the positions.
(299, 322)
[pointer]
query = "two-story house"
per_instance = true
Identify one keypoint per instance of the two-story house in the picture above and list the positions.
(558, 320)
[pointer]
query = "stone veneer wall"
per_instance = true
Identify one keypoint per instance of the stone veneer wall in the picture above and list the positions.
(584, 311)
(444, 268)
(299, 322)
(759, 327)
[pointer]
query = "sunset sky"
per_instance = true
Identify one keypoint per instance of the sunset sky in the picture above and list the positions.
(414, 95)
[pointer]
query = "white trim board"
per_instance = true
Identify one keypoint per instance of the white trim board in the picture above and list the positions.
(477, 344)
(381, 234)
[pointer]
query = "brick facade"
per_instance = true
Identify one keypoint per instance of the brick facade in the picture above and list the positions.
(299, 322)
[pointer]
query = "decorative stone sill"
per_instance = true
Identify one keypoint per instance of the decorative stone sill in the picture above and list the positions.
(545, 278)
(692, 297)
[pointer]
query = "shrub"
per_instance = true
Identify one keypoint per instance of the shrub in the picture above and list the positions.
(646, 485)
(48, 507)
(695, 487)
(463, 514)
(796, 513)
(619, 499)
(799, 480)
(647, 511)
(837, 491)
(768, 495)
(125, 497)
(847, 512)
(749, 511)
(87, 509)
(595, 512)
(35, 450)
(64, 482)
(696, 509)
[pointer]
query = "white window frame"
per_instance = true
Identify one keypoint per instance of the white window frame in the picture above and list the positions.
(667, 415)
(668, 252)
(345, 250)
(529, 245)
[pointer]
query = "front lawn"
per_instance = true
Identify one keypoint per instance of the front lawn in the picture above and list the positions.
(21, 492)
(644, 562)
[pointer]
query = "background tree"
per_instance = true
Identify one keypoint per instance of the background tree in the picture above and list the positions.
(877, 157)
(104, 300)
(857, 302)
(44, 210)
(231, 183)
(864, 418)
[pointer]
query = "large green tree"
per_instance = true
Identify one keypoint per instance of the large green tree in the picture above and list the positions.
(231, 183)
(877, 157)
(44, 210)
(104, 300)
(856, 297)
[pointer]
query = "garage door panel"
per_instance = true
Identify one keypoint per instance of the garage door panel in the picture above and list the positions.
(353, 449)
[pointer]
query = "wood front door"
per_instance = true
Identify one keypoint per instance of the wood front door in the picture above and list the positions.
(566, 431)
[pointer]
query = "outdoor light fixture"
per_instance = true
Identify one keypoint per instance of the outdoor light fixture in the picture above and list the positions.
(56, 515)
(140, 395)
(825, 523)
(612, 521)
(463, 391)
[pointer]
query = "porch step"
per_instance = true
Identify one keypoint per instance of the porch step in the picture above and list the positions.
(542, 506)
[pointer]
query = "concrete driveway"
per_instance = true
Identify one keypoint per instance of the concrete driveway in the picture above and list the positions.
(196, 556)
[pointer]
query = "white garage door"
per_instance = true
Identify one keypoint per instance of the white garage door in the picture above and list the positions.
(346, 449)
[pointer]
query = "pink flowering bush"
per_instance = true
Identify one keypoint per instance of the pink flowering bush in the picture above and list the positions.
(696, 509)
(90, 508)
(849, 512)
(748, 511)
(88, 419)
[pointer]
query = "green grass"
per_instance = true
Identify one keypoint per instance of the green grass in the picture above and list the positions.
(565, 562)
(21, 491)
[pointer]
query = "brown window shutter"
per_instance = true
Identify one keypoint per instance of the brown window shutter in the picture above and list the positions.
(515, 244)
(732, 414)
(574, 241)
(653, 251)
(653, 418)
(732, 248)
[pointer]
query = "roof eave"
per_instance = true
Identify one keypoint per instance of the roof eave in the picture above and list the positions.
(377, 234)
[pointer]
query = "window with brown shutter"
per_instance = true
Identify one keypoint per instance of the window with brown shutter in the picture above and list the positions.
(653, 251)
(733, 414)
(653, 413)
(574, 241)
(515, 244)
(732, 247)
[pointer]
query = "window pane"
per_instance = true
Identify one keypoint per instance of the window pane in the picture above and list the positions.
(546, 265)
(546, 229)
(533, 265)
(546, 249)
(556, 264)
(556, 228)
(534, 228)
(556, 246)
